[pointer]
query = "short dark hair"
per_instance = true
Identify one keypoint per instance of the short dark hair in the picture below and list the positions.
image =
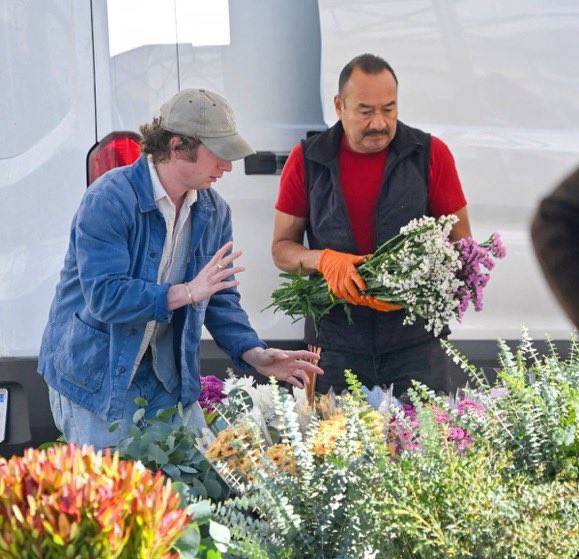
(368, 63)
(156, 140)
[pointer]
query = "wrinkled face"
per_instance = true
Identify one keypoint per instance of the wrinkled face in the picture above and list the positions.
(201, 173)
(368, 109)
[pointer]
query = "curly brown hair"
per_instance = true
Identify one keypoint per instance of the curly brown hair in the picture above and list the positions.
(156, 140)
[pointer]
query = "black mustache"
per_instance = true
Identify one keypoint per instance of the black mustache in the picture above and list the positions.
(375, 132)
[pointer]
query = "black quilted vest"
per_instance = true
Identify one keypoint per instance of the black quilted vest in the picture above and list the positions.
(403, 196)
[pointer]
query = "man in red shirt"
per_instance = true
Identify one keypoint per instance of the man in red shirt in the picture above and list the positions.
(350, 188)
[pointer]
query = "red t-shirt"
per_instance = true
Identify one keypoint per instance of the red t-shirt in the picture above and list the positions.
(360, 181)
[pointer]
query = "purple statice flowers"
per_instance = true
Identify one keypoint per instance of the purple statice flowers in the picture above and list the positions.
(211, 393)
(474, 259)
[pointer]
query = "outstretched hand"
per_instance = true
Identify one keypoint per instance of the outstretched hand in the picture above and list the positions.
(215, 274)
(286, 366)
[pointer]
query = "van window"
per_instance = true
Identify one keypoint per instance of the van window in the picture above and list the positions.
(37, 69)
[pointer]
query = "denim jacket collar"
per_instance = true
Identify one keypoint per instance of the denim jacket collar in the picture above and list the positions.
(140, 179)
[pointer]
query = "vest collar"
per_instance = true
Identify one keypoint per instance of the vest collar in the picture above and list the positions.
(324, 147)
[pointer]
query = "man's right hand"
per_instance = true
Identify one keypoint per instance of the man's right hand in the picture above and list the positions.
(339, 270)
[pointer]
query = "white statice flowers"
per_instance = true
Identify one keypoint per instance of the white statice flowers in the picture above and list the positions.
(422, 272)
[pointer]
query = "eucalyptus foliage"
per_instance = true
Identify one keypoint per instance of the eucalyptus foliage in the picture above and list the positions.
(161, 443)
(509, 494)
(536, 402)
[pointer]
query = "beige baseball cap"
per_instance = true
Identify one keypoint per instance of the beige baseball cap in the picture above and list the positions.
(204, 114)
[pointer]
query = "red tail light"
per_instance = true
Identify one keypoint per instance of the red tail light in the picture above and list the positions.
(115, 149)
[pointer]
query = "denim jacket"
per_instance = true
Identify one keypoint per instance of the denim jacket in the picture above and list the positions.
(108, 291)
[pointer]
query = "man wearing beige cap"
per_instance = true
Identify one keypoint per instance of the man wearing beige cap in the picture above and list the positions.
(150, 262)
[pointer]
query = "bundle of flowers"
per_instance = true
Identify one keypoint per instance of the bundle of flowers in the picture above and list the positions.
(241, 443)
(420, 269)
(167, 443)
(68, 501)
(238, 437)
(403, 430)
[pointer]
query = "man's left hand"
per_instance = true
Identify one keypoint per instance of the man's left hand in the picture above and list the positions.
(379, 305)
(286, 366)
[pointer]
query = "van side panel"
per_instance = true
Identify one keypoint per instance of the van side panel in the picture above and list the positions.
(48, 126)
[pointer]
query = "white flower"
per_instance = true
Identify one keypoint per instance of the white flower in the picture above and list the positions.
(233, 382)
(422, 272)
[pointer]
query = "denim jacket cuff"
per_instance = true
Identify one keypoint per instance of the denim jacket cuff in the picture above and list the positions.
(162, 312)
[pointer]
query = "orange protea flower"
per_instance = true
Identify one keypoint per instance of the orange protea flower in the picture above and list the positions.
(72, 501)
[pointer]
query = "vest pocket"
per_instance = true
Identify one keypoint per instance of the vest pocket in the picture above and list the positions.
(83, 355)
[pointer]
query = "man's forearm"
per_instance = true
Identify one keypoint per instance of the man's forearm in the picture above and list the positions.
(461, 228)
(289, 256)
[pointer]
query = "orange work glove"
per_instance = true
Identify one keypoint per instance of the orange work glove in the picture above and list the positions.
(379, 305)
(344, 281)
(339, 270)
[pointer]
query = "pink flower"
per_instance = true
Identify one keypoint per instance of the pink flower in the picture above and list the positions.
(456, 434)
(460, 437)
(440, 416)
(467, 406)
(408, 410)
(211, 392)
(496, 246)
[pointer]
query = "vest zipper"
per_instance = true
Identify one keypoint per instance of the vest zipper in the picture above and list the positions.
(389, 169)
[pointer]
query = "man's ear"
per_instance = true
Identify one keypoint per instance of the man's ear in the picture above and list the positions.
(174, 144)
(338, 104)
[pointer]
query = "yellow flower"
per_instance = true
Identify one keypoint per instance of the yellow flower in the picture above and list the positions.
(374, 421)
(236, 446)
(323, 442)
(222, 447)
(282, 456)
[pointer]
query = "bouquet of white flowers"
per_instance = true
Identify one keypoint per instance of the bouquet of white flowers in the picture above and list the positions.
(420, 269)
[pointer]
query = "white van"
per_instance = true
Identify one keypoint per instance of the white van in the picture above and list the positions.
(497, 82)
